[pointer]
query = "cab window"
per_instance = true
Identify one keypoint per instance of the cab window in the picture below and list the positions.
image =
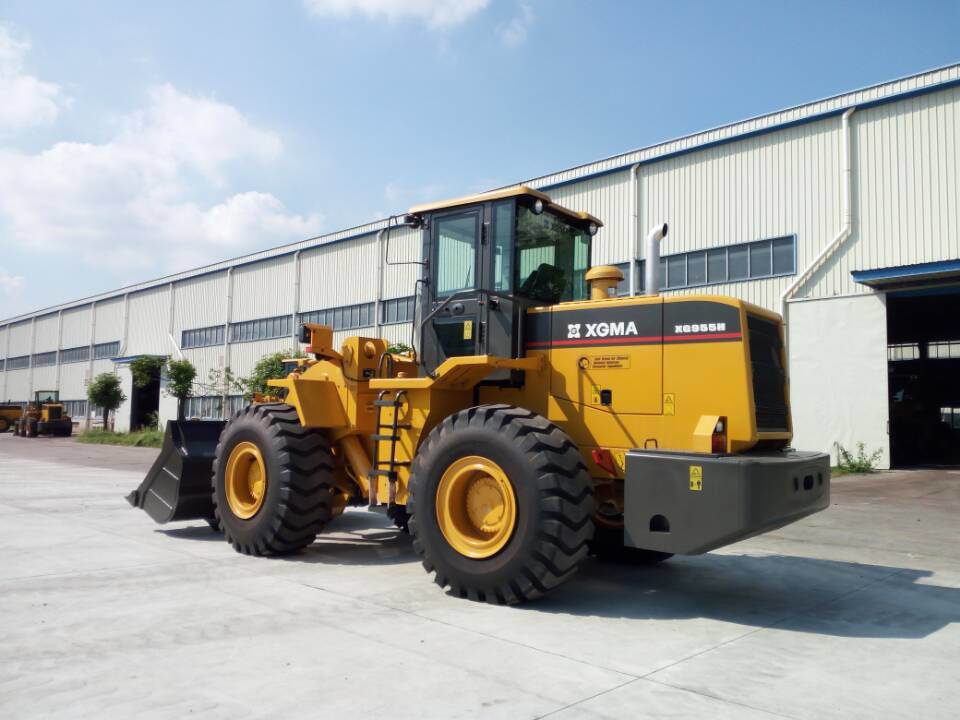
(553, 257)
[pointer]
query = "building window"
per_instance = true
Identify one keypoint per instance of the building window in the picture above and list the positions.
(77, 409)
(45, 359)
(906, 351)
(16, 363)
(72, 355)
(262, 329)
(105, 351)
(945, 350)
(211, 407)
(348, 317)
(747, 261)
(202, 337)
(397, 310)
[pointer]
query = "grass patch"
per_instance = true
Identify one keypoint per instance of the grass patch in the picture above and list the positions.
(141, 438)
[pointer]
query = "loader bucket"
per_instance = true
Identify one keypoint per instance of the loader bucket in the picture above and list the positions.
(179, 485)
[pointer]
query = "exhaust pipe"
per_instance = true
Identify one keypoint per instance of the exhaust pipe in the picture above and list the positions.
(651, 260)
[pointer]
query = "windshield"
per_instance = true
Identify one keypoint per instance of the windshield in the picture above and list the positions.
(553, 257)
(48, 396)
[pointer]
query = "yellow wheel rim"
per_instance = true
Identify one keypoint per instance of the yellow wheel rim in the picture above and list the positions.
(476, 507)
(245, 480)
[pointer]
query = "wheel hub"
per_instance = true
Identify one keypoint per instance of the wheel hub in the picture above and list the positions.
(245, 480)
(476, 507)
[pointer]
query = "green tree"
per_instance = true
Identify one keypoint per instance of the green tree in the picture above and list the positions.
(180, 377)
(267, 368)
(105, 392)
(146, 369)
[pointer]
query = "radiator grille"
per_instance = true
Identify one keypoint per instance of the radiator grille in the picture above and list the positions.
(769, 375)
(55, 413)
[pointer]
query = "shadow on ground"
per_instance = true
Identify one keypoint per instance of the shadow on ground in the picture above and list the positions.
(793, 593)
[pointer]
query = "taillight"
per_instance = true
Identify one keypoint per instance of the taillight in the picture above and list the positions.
(718, 441)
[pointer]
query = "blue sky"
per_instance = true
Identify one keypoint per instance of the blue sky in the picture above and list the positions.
(138, 139)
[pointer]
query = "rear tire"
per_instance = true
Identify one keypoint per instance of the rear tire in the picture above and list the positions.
(553, 506)
(297, 499)
(4, 425)
(32, 427)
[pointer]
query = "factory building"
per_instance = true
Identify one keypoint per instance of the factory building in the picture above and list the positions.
(842, 214)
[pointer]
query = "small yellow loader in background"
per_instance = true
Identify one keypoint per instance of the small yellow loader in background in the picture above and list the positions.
(9, 416)
(538, 419)
(44, 416)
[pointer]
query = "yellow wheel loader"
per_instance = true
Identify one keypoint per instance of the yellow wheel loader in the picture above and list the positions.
(539, 418)
(44, 416)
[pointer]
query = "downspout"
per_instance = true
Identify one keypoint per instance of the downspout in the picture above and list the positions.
(296, 298)
(846, 224)
(634, 225)
(379, 299)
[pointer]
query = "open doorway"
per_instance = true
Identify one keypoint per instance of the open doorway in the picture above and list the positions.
(923, 354)
(145, 401)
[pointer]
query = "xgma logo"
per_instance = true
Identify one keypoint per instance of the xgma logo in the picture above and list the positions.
(602, 329)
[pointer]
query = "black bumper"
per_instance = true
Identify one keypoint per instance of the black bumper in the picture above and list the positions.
(690, 503)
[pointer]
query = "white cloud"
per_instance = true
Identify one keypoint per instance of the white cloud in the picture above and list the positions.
(10, 285)
(25, 101)
(514, 32)
(133, 202)
(435, 13)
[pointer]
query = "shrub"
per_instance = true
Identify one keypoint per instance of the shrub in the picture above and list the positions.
(847, 462)
(180, 376)
(144, 370)
(105, 392)
(269, 367)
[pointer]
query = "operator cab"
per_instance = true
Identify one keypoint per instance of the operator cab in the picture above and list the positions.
(489, 257)
(47, 397)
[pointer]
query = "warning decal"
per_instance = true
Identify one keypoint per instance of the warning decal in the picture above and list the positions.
(696, 478)
(610, 362)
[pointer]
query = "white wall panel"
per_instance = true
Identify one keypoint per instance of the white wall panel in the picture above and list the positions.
(606, 198)
(149, 322)
(838, 374)
(199, 302)
(263, 290)
(109, 319)
(44, 378)
(906, 190)
(783, 183)
(21, 342)
(243, 356)
(18, 385)
(73, 381)
(344, 273)
(76, 328)
(48, 333)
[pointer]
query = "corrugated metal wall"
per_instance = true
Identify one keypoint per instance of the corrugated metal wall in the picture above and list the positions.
(47, 334)
(263, 290)
(21, 339)
(109, 321)
(199, 302)
(906, 190)
(340, 274)
(148, 324)
(76, 328)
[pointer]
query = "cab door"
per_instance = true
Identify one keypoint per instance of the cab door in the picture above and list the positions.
(455, 241)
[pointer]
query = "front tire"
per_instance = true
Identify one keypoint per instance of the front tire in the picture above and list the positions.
(273, 481)
(500, 505)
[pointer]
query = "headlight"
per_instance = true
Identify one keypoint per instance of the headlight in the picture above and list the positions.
(592, 229)
(537, 206)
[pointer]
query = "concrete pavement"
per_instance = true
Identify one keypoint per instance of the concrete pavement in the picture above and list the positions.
(852, 613)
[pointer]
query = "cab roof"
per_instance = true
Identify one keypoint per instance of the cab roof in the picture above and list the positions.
(515, 191)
